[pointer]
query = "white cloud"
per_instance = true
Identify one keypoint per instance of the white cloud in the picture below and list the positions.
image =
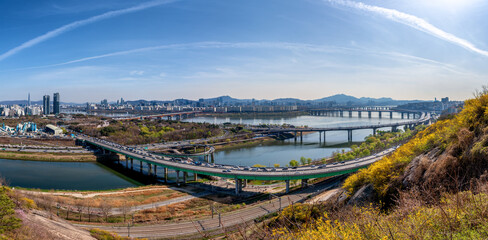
(412, 21)
(136, 73)
(68, 27)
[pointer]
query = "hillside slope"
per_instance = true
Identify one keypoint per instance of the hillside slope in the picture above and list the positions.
(433, 187)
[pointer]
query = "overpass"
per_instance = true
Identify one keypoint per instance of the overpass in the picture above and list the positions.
(239, 173)
(425, 118)
(168, 116)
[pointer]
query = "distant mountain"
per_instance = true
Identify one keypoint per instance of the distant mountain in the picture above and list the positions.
(338, 99)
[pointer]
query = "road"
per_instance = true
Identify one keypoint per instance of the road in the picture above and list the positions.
(239, 172)
(228, 219)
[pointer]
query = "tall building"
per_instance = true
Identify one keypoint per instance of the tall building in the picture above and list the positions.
(28, 100)
(56, 103)
(46, 105)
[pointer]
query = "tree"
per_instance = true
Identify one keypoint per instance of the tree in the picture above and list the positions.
(89, 208)
(125, 208)
(80, 206)
(294, 163)
(105, 208)
(258, 165)
(276, 165)
(8, 221)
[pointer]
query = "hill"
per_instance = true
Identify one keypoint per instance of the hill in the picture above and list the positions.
(433, 187)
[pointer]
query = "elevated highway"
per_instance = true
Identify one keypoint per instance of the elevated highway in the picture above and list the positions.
(239, 173)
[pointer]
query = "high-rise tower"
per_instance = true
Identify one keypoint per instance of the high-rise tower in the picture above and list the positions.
(28, 100)
(56, 103)
(46, 105)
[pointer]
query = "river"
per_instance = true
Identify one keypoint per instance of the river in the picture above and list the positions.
(95, 176)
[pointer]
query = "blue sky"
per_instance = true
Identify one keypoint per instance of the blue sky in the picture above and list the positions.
(165, 49)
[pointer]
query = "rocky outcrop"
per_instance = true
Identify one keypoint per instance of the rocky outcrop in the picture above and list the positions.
(363, 196)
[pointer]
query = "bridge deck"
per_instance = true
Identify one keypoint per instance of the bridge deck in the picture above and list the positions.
(306, 172)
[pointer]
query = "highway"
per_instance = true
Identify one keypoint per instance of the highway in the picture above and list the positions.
(237, 172)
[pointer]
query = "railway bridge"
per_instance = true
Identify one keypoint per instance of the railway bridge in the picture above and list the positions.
(425, 118)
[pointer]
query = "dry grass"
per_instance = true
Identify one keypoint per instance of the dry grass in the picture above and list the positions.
(51, 157)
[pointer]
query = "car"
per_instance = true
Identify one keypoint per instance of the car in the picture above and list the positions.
(343, 162)
(284, 169)
(294, 168)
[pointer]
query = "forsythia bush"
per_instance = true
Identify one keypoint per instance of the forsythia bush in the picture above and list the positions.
(458, 216)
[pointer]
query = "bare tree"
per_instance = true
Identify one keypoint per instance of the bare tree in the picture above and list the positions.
(89, 208)
(125, 208)
(80, 206)
(105, 208)
(68, 209)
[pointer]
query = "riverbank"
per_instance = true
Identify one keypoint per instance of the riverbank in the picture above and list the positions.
(49, 157)
(256, 114)
(241, 143)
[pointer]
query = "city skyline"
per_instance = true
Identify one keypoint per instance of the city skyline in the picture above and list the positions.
(165, 50)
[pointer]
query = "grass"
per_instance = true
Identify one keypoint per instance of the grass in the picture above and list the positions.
(49, 157)
(456, 216)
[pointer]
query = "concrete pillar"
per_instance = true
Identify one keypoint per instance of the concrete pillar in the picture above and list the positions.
(408, 115)
(165, 172)
(296, 136)
(325, 136)
(369, 114)
(140, 169)
(287, 183)
(185, 177)
(301, 136)
(156, 171)
(213, 157)
(391, 115)
(374, 131)
(132, 164)
(149, 171)
(195, 177)
(403, 116)
(304, 183)
(359, 114)
(237, 186)
(349, 135)
(178, 177)
(379, 114)
(341, 113)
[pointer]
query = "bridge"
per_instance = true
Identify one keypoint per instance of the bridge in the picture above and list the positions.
(339, 112)
(425, 118)
(239, 173)
(168, 116)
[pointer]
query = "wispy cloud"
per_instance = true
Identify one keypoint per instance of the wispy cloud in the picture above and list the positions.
(412, 21)
(293, 47)
(77, 24)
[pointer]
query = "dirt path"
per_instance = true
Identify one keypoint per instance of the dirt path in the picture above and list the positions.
(95, 194)
(57, 228)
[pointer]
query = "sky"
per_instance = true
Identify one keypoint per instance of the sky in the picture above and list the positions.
(88, 50)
